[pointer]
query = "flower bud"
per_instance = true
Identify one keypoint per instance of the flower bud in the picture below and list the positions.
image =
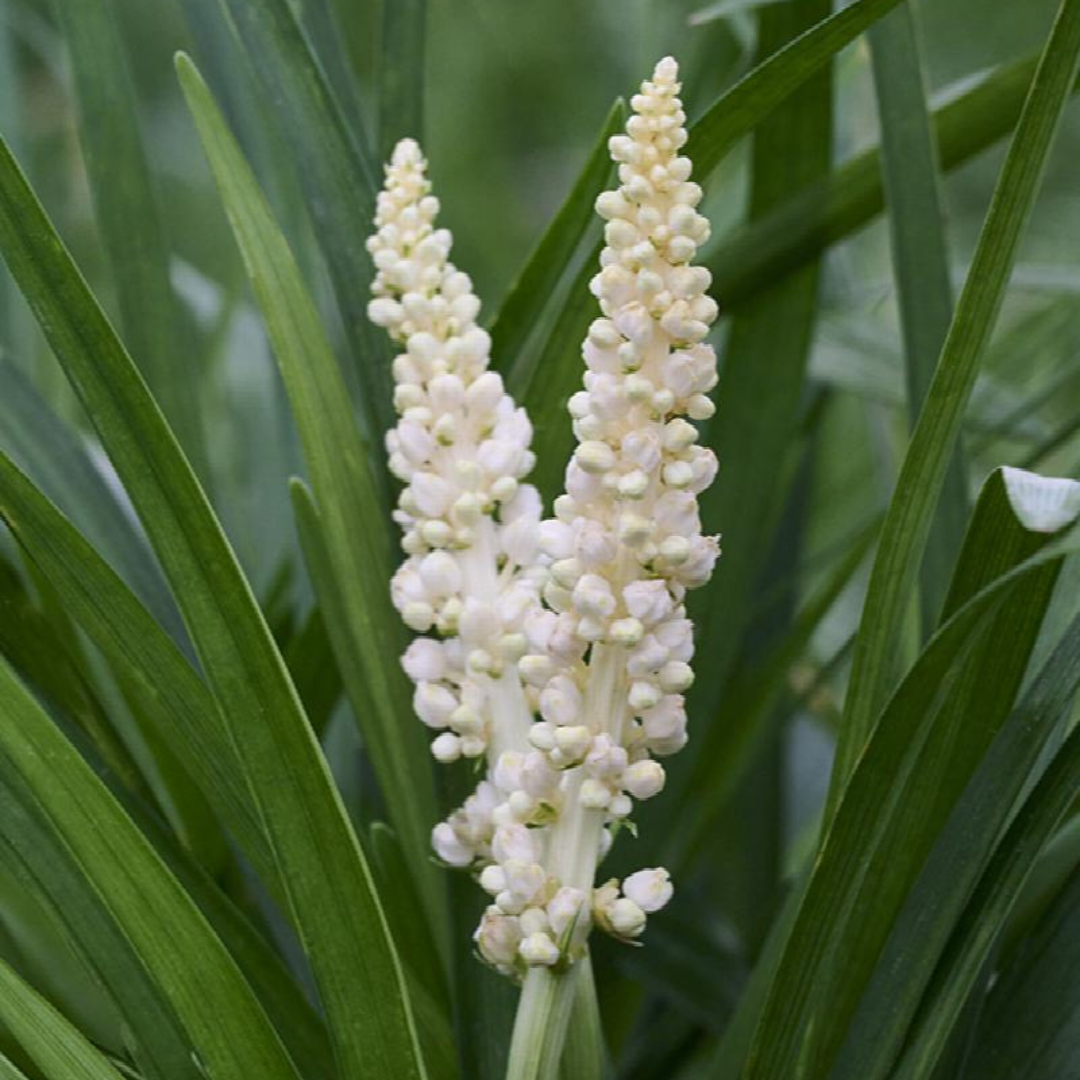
(649, 889)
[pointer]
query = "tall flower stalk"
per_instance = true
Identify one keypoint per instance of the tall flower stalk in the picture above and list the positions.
(558, 651)
(625, 543)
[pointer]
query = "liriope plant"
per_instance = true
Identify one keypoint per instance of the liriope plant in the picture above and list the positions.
(562, 647)
(452, 768)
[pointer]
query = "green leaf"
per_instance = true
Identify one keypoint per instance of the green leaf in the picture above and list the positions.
(921, 932)
(158, 678)
(765, 251)
(753, 700)
(46, 449)
(127, 215)
(8, 1071)
(401, 73)
(314, 670)
(354, 531)
(1031, 1024)
(521, 309)
(56, 1047)
(337, 181)
(920, 265)
(215, 1016)
(753, 433)
(740, 109)
(924, 750)
(328, 882)
(732, 115)
(301, 1029)
(557, 374)
(989, 907)
(907, 522)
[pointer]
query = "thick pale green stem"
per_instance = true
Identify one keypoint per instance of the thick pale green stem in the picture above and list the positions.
(573, 848)
(543, 1019)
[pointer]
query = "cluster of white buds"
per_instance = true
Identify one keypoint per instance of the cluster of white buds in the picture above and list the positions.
(560, 650)
(609, 657)
(461, 447)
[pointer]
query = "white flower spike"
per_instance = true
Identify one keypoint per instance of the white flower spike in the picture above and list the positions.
(626, 540)
(461, 447)
(557, 650)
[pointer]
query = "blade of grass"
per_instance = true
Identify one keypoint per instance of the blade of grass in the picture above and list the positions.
(46, 657)
(161, 679)
(932, 736)
(555, 376)
(1031, 1027)
(337, 180)
(222, 58)
(765, 251)
(989, 908)
(752, 702)
(353, 528)
(908, 519)
(329, 884)
(310, 656)
(521, 310)
(48, 450)
(401, 73)
(127, 215)
(920, 266)
(936, 904)
(732, 115)
(55, 1046)
(212, 1010)
(156, 675)
(752, 433)
(742, 108)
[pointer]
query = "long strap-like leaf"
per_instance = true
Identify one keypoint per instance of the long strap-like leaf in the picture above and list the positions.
(907, 523)
(189, 969)
(56, 1047)
(370, 636)
(327, 880)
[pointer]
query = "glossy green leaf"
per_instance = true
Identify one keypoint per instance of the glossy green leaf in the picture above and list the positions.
(753, 433)
(739, 110)
(354, 531)
(963, 850)
(326, 877)
(157, 676)
(764, 251)
(1031, 1025)
(401, 73)
(9, 1071)
(215, 1017)
(752, 699)
(56, 1047)
(920, 265)
(990, 905)
(907, 523)
(48, 451)
(557, 375)
(522, 308)
(337, 181)
(925, 748)
(127, 215)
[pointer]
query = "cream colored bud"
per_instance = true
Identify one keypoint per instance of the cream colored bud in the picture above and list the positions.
(626, 918)
(595, 457)
(644, 779)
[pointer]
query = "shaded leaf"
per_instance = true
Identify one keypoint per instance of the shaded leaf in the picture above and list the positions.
(326, 878)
